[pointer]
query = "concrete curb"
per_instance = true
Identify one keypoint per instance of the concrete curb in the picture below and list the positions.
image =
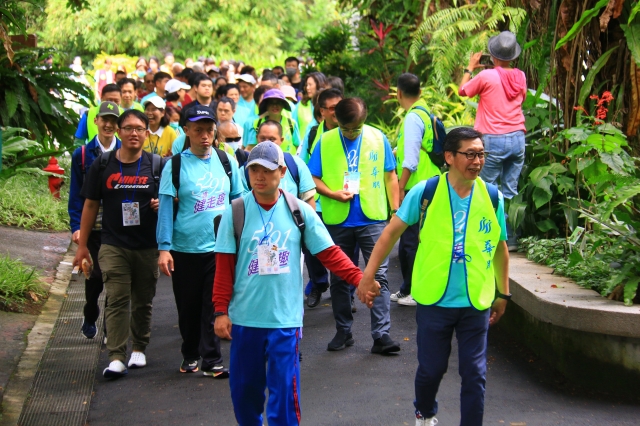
(20, 382)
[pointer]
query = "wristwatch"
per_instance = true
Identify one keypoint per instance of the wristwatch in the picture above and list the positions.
(466, 71)
(219, 314)
(499, 295)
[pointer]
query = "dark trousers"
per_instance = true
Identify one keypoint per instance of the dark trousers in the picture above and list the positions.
(407, 255)
(435, 330)
(193, 288)
(93, 285)
(365, 237)
(317, 272)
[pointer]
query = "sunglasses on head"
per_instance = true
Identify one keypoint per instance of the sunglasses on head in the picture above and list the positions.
(237, 139)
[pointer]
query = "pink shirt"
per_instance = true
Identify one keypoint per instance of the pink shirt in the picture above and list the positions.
(497, 115)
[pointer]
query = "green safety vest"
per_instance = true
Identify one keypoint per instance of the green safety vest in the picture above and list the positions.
(304, 116)
(287, 133)
(435, 248)
(373, 195)
(426, 169)
(92, 128)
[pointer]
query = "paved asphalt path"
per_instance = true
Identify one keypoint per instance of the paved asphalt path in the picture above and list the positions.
(352, 387)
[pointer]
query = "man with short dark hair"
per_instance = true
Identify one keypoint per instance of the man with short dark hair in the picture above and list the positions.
(119, 76)
(461, 277)
(149, 85)
(203, 86)
(278, 71)
(160, 80)
(125, 186)
(128, 91)
(354, 170)
(415, 144)
(292, 69)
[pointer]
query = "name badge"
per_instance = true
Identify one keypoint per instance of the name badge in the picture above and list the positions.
(268, 260)
(352, 182)
(131, 214)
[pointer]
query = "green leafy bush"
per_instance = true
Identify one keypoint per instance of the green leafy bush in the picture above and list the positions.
(17, 282)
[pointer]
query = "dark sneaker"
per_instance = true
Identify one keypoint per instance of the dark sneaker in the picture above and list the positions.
(217, 372)
(340, 341)
(89, 330)
(353, 305)
(314, 297)
(189, 366)
(384, 345)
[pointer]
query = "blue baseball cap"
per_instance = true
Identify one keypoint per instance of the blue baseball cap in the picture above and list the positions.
(200, 112)
(267, 154)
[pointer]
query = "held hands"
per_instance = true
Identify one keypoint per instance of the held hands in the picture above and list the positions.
(342, 196)
(222, 327)
(155, 204)
(367, 290)
(165, 262)
(497, 310)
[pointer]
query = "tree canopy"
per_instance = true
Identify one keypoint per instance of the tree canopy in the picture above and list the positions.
(244, 29)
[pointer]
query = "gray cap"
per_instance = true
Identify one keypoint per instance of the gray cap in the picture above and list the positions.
(504, 46)
(266, 154)
(108, 108)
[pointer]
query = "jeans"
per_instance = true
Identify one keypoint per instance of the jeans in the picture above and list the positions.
(130, 278)
(193, 287)
(435, 330)
(346, 239)
(504, 161)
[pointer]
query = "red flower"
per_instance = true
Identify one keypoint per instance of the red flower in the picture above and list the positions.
(579, 108)
(380, 31)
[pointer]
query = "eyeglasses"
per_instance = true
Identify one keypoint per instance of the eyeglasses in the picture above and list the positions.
(332, 109)
(138, 130)
(236, 139)
(354, 130)
(472, 154)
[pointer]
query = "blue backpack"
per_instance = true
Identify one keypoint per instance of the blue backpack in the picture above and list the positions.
(430, 190)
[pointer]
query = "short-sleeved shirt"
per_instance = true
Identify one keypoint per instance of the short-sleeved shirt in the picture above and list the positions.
(270, 301)
(413, 133)
(456, 294)
(160, 142)
(288, 183)
(356, 216)
(122, 182)
(204, 194)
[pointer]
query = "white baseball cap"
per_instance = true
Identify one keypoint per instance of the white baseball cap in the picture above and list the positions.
(174, 85)
(247, 78)
(157, 101)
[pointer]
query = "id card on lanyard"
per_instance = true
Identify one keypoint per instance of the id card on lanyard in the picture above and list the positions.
(130, 208)
(268, 257)
(351, 181)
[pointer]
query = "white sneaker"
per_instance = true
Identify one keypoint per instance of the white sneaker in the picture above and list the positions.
(114, 370)
(407, 301)
(396, 296)
(137, 360)
(432, 421)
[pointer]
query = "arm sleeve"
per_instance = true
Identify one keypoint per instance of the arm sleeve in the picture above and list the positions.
(409, 211)
(473, 86)
(502, 218)
(339, 264)
(413, 133)
(223, 281)
(164, 231)
(92, 189)
(76, 201)
(306, 180)
(389, 158)
(81, 131)
(236, 181)
(315, 162)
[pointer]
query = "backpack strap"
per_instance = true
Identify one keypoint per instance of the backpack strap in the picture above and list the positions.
(427, 196)
(83, 152)
(237, 211)
(241, 156)
(157, 164)
(493, 194)
(226, 164)
(293, 168)
(176, 164)
(246, 177)
(294, 207)
(312, 137)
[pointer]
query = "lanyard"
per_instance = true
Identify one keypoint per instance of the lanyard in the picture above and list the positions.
(264, 225)
(352, 168)
(135, 182)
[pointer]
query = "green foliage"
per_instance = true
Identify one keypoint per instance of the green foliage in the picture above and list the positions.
(247, 30)
(17, 281)
(586, 17)
(25, 201)
(451, 34)
(35, 98)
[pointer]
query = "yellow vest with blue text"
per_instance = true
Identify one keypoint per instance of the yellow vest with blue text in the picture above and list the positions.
(92, 127)
(373, 195)
(287, 134)
(435, 248)
(426, 169)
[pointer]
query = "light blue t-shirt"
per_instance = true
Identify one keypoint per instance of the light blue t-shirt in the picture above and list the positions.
(178, 144)
(356, 216)
(270, 301)
(288, 183)
(204, 194)
(149, 96)
(456, 294)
